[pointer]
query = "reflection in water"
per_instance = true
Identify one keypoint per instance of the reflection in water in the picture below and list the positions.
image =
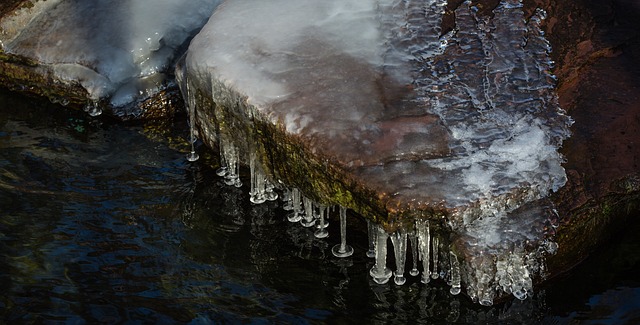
(100, 224)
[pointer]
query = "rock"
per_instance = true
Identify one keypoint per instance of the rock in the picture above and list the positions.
(367, 106)
(599, 78)
(116, 55)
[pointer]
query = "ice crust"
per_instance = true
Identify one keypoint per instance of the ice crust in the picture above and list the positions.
(466, 124)
(116, 49)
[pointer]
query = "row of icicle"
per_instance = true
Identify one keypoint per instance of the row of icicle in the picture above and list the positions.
(424, 246)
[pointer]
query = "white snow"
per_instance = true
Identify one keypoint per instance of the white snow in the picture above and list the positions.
(110, 46)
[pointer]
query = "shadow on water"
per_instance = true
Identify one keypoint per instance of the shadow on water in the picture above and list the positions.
(101, 224)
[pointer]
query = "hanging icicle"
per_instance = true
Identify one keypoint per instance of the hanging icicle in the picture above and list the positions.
(424, 241)
(455, 274)
(269, 191)
(372, 233)
(296, 206)
(436, 243)
(413, 239)
(308, 219)
(399, 241)
(380, 272)
(321, 228)
(230, 169)
(257, 190)
(342, 249)
(93, 108)
(191, 110)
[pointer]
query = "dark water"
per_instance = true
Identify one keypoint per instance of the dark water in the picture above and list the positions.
(108, 223)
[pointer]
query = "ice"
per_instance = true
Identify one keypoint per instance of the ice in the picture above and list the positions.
(257, 192)
(309, 217)
(413, 239)
(93, 108)
(191, 109)
(372, 233)
(424, 241)
(110, 47)
(435, 241)
(321, 227)
(287, 200)
(455, 274)
(399, 241)
(342, 249)
(380, 272)
(230, 164)
(296, 206)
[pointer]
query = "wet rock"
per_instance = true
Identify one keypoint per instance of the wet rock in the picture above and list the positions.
(111, 55)
(369, 106)
(389, 147)
(600, 87)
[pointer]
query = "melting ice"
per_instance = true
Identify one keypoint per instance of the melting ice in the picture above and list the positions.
(462, 127)
(116, 49)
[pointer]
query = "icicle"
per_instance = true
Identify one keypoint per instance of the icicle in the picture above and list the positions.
(413, 239)
(296, 206)
(424, 240)
(399, 241)
(287, 201)
(342, 249)
(322, 218)
(93, 108)
(269, 191)
(371, 229)
(257, 191)
(435, 241)
(380, 272)
(231, 170)
(191, 110)
(321, 231)
(455, 273)
(308, 219)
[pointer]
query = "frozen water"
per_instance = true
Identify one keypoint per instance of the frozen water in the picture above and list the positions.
(424, 241)
(258, 187)
(117, 49)
(399, 241)
(380, 272)
(342, 249)
(455, 274)
(296, 206)
(321, 231)
(435, 241)
(309, 217)
(191, 109)
(372, 233)
(230, 168)
(413, 239)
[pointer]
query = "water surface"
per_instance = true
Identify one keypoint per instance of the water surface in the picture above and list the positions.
(108, 223)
